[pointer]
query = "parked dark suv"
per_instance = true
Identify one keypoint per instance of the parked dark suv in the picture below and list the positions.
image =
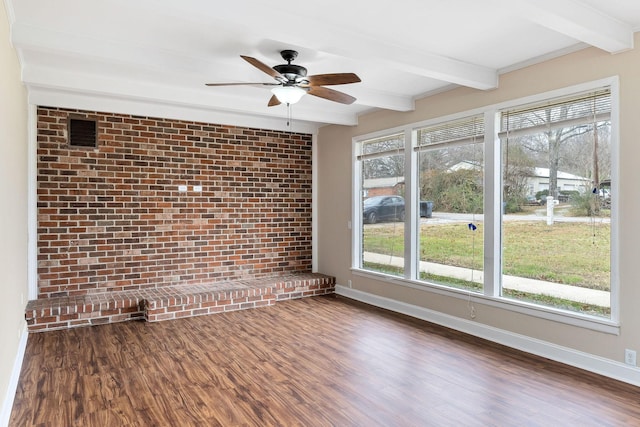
(389, 208)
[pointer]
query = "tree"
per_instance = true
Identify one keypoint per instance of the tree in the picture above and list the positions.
(518, 169)
(385, 158)
(555, 135)
(383, 167)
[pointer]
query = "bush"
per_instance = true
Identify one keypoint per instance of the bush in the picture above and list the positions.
(585, 204)
(513, 206)
(458, 191)
(462, 199)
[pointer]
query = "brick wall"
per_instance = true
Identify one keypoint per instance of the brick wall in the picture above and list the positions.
(112, 218)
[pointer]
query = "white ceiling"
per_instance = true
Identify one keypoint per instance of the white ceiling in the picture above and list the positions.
(146, 55)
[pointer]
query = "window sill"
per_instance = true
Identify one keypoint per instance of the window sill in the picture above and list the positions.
(556, 315)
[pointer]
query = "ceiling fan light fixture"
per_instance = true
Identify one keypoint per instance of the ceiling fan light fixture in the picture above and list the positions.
(288, 94)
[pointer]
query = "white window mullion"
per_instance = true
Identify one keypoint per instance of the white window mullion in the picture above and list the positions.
(411, 204)
(356, 209)
(492, 206)
(615, 211)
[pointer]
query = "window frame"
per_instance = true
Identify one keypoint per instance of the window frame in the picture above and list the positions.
(492, 212)
(452, 143)
(356, 208)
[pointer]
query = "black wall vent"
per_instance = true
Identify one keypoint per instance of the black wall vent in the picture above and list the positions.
(83, 132)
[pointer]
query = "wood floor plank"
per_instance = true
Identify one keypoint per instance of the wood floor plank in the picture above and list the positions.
(321, 361)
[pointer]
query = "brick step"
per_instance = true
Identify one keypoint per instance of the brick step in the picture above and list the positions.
(171, 302)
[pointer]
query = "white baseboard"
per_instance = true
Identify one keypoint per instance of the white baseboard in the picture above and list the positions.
(7, 405)
(589, 362)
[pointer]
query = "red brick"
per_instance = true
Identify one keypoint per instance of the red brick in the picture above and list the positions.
(118, 307)
(159, 317)
(92, 221)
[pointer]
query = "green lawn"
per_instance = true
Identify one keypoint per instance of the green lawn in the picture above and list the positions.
(569, 253)
(510, 293)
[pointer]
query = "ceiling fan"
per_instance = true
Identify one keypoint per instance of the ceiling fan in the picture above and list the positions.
(293, 82)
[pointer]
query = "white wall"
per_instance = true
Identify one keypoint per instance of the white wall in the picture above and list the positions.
(13, 218)
(335, 193)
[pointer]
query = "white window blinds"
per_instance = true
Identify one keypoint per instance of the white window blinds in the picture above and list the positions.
(461, 131)
(590, 107)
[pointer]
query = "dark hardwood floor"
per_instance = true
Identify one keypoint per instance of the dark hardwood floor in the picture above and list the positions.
(320, 361)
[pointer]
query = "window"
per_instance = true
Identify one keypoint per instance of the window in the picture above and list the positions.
(451, 179)
(556, 252)
(514, 204)
(381, 204)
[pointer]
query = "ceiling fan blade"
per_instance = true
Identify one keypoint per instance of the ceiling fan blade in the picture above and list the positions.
(331, 95)
(333, 79)
(242, 84)
(264, 68)
(273, 101)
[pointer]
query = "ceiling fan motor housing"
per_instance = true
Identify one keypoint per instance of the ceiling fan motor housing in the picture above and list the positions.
(291, 72)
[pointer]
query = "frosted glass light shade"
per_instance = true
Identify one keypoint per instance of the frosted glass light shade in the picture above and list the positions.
(288, 94)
